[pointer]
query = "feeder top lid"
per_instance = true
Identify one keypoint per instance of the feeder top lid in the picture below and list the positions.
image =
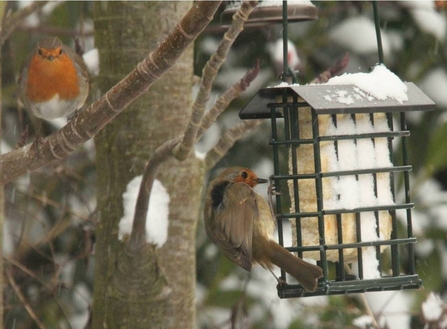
(270, 12)
(333, 99)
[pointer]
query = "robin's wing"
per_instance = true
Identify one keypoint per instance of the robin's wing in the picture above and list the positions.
(23, 76)
(79, 61)
(234, 218)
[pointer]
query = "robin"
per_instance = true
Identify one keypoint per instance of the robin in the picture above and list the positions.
(240, 223)
(53, 80)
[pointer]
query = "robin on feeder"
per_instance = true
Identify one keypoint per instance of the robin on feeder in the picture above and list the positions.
(240, 223)
(53, 80)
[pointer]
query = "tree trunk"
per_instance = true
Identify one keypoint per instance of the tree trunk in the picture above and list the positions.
(161, 282)
(2, 204)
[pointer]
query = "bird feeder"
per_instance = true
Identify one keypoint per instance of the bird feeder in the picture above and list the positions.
(333, 148)
(270, 11)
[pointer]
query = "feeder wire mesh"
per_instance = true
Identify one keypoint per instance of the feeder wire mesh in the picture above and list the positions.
(336, 169)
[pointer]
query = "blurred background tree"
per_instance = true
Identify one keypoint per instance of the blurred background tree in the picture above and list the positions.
(50, 214)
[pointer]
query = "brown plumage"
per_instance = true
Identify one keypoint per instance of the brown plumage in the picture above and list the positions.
(240, 223)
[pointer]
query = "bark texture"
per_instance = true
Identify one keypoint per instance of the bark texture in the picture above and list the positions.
(153, 288)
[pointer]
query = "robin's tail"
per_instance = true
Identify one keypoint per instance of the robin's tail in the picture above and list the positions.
(305, 273)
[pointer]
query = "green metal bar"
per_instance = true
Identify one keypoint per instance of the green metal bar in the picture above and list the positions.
(285, 38)
(353, 286)
(376, 213)
(378, 35)
(340, 266)
(390, 207)
(276, 167)
(372, 208)
(285, 108)
(344, 137)
(319, 190)
(395, 258)
(276, 104)
(295, 142)
(403, 124)
(367, 171)
(345, 173)
(295, 134)
(366, 135)
(352, 245)
(358, 231)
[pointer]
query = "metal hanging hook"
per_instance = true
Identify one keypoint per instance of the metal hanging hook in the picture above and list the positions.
(287, 71)
(378, 35)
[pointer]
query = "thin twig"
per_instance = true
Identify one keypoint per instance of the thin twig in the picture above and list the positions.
(47, 201)
(369, 311)
(333, 71)
(208, 75)
(22, 298)
(43, 283)
(228, 140)
(365, 303)
(210, 117)
(14, 20)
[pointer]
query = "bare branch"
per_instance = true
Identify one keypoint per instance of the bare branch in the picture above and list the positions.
(50, 286)
(11, 22)
(138, 236)
(228, 140)
(223, 101)
(333, 71)
(209, 73)
(22, 298)
(89, 122)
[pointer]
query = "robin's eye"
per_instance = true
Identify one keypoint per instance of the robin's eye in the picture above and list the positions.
(60, 52)
(244, 174)
(39, 52)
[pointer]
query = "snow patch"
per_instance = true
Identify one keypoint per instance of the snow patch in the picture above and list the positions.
(380, 84)
(157, 215)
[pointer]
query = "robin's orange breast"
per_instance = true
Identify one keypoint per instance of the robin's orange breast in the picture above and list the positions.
(47, 78)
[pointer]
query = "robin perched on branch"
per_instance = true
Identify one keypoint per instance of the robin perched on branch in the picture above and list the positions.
(239, 221)
(53, 80)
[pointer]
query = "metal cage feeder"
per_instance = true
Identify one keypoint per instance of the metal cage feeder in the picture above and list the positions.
(334, 163)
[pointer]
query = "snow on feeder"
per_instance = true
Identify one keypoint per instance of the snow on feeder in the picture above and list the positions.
(334, 165)
(270, 12)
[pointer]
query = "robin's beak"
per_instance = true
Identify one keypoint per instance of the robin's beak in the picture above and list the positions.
(50, 58)
(261, 180)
